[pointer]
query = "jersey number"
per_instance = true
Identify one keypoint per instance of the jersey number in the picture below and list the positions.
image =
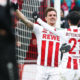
(75, 64)
(74, 45)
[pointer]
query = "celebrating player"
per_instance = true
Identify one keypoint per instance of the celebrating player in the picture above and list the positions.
(70, 65)
(48, 47)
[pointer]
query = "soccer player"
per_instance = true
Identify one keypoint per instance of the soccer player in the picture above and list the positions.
(70, 65)
(48, 47)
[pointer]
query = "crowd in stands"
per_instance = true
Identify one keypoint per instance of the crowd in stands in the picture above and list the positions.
(66, 7)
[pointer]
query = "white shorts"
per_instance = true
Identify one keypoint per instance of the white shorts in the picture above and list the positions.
(47, 73)
(68, 74)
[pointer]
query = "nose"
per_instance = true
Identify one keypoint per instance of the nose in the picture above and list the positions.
(52, 16)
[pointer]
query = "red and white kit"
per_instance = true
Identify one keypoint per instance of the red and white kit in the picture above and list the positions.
(48, 53)
(48, 47)
(70, 65)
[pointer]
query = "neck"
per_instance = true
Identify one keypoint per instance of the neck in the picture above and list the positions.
(52, 25)
(73, 25)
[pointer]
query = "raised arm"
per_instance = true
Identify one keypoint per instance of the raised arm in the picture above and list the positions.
(27, 22)
(46, 26)
(35, 16)
(19, 14)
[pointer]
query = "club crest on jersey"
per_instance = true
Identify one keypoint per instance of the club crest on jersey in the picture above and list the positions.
(46, 31)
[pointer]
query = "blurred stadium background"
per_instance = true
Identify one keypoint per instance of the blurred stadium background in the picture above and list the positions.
(26, 48)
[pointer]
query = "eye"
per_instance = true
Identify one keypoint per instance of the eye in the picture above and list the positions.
(54, 15)
(50, 15)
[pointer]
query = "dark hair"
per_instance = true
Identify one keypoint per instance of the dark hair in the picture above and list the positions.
(73, 17)
(62, 10)
(49, 9)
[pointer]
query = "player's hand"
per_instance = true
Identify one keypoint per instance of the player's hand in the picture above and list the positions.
(14, 6)
(35, 15)
(65, 48)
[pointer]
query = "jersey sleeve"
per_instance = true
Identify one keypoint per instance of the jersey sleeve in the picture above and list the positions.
(50, 28)
(44, 24)
(14, 5)
(37, 29)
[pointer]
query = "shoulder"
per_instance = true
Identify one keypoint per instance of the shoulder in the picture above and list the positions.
(37, 28)
(61, 29)
(37, 25)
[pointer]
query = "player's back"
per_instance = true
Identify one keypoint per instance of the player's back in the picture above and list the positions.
(72, 58)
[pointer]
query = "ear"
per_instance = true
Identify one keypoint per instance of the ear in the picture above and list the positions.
(79, 22)
(45, 18)
(69, 22)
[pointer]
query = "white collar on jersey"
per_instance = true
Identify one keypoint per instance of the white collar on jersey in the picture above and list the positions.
(73, 27)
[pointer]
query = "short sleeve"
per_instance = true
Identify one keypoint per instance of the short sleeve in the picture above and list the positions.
(37, 28)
